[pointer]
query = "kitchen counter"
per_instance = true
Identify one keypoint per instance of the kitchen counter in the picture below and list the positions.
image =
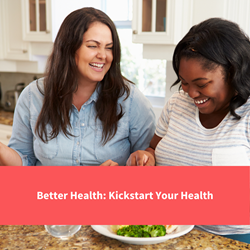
(36, 237)
(6, 117)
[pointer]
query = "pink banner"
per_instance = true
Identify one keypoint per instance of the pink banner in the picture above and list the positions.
(124, 195)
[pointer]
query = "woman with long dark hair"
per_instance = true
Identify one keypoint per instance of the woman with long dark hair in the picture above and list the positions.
(83, 112)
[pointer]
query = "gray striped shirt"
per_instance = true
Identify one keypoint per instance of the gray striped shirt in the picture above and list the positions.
(185, 142)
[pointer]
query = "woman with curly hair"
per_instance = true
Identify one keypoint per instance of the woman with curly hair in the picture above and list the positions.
(83, 112)
(206, 122)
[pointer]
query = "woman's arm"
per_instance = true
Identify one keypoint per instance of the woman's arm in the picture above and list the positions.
(9, 157)
(22, 139)
(144, 158)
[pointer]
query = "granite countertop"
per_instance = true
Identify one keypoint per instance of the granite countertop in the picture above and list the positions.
(6, 117)
(36, 237)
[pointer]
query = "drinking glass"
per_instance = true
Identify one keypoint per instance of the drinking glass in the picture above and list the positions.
(62, 231)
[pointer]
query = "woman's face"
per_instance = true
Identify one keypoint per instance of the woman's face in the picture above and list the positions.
(209, 90)
(95, 55)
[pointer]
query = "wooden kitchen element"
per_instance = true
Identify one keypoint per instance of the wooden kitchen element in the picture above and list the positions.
(37, 7)
(36, 237)
(6, 117)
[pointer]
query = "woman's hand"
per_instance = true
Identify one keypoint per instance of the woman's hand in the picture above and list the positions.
(109, 163)
(141, 158)
(9, 157)
(144, 158)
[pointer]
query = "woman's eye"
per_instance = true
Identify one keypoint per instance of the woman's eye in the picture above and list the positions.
(91, 46)
(183, 83)
(109, 48)
(202, 86)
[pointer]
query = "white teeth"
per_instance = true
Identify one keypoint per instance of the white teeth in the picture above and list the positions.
(97, 65)
(201, 101)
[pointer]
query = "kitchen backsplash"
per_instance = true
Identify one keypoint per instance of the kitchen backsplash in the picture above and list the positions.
(8, 81)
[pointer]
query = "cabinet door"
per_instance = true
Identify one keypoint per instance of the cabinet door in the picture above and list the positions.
(14, 48)
(160, 21)
(150, 21)
(36, 20)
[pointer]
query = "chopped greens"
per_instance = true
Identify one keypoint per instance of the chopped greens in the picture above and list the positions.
(142, 231)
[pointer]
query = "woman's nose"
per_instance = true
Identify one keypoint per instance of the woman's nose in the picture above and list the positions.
(101, 53)
(193, 92)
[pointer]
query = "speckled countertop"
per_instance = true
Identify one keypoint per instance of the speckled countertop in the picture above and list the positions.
(6, 118)
(36, 237)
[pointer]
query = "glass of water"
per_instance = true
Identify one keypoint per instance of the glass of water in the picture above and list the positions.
(62, 231)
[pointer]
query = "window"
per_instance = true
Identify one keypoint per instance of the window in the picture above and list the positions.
(148, 75)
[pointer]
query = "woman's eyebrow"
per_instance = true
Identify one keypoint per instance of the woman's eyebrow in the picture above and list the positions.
(109, 44)
(181, 78)
(99, 42)
(196, 79)
(199, 78)
(89, 41)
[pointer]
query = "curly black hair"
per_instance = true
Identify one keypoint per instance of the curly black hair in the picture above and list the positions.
(215, 42)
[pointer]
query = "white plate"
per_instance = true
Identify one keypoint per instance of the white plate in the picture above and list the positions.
(105, 230)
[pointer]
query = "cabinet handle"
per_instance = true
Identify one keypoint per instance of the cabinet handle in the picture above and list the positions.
(47, 31)
(25, 51)
(134, 32)
(8, 137)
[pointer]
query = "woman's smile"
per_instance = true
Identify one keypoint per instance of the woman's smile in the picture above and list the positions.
(208, 88)
(201, 101)
(95, 56)
(98, 67)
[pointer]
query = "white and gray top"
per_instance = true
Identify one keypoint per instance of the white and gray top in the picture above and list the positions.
(185, 142)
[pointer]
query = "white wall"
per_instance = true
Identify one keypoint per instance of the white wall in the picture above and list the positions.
(61, 8)
(204, 9)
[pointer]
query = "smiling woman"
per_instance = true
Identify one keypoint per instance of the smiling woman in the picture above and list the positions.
(206, 123)
(95, 53)
(93, 60)
(209, 90)
(83, 112)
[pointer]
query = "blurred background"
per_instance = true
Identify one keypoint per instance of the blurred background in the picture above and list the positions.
(148, 30)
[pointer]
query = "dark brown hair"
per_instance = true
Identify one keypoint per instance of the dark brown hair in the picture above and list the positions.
(61, 78)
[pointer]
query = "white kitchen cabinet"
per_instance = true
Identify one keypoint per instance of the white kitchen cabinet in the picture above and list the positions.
(37, 20)
(160, 24)
(17, 54)
(5, 133)
(13, 46)
(161, 21)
